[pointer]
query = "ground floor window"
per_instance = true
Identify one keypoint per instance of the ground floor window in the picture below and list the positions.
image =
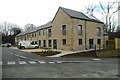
(98, 41)
(64, 41)
(39, 42)
(91, 43)
(44, 43)
(80, 41)
(49, 43)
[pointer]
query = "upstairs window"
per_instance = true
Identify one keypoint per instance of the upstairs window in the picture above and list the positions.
(35, 34)
(32, 35)
(40, 32)
(43, 32)
(98, 31)
(64, 30)
(49, 32)
(79, 29)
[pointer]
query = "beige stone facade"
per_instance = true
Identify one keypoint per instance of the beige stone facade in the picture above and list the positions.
(69, 30)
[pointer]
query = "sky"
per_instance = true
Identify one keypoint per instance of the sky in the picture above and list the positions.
(39, 12)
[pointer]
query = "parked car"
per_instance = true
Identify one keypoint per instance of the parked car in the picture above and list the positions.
(6, 45)
(27, 44)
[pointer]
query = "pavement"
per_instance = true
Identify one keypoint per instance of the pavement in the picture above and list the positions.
(57, 55)
(20, 64)
(28, 50)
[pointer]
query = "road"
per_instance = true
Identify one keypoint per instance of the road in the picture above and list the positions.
(18, 64)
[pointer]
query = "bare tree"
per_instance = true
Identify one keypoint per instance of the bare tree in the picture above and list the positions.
(108, 14)
(15, 30)
(90, 9)
(6, 27)
(29, 26)
(118, 28)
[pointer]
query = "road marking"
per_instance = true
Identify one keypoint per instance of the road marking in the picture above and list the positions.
(84, 75)
(23, 57)
(32, 62)
(51, 62)
(42, 62)
(10, 62)
(73, 61)
(59, 62)
(96, 59)
(1, 63)
(22, 62)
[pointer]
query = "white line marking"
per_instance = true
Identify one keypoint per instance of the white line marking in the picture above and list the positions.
(51, 62)
(22, 62)
(32, 62)
(96, 59)
(59, 62)
(1, 63)
(42, 62)
(11, 62)
(23, 57)
(73, 61)
(84, 75)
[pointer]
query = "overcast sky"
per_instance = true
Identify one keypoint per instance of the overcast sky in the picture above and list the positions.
(39, 12)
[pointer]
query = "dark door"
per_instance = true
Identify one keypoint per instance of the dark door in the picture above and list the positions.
(54, 44)
(91, 43)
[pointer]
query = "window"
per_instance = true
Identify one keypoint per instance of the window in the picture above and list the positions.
(80, 41)
(39, 42)
(49, 43)
(44, 43)
(64, 30)
(35, 34)
(40, 32)
(98, 41)
(98, 31)
(32, 35)
(49, 32)
(43, 32)
(64, 41)
(79, 29)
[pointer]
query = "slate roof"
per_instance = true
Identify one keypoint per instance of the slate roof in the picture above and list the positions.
(80, 15)
(49, 24)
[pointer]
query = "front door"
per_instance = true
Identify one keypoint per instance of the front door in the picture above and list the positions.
(91, 43)
(54, 44)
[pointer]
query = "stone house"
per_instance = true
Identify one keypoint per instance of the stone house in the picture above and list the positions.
(69, 30)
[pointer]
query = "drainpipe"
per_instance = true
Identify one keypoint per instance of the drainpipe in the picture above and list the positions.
(85, 37)
(72, 35)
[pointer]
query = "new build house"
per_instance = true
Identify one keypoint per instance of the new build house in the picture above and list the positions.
(69, 30)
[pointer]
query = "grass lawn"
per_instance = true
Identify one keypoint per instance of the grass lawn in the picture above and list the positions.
(99, 54)
(82, 54)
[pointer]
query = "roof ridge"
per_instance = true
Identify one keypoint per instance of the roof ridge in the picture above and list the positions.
(79, 14)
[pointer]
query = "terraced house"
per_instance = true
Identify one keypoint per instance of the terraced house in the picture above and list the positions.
(69, 30)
